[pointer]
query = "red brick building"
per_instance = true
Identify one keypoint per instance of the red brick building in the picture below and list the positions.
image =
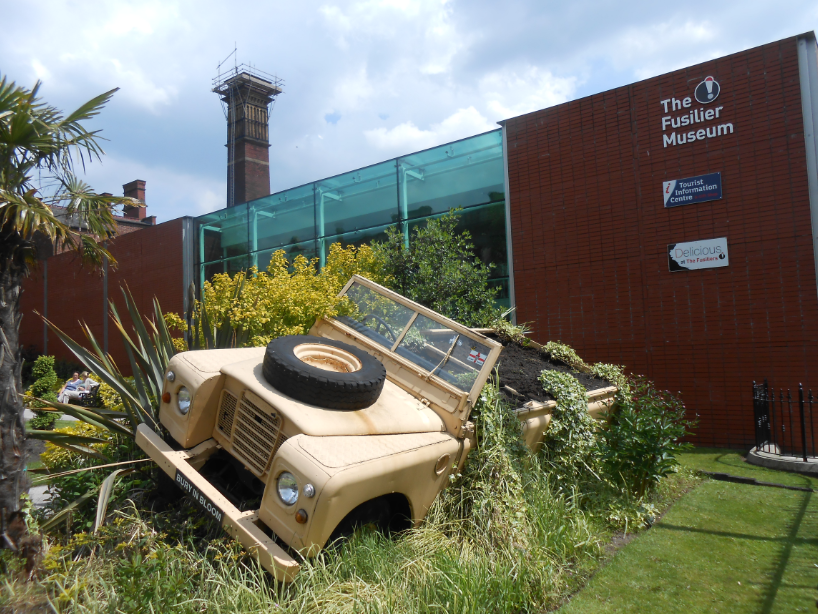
(152, 260)
(670, 226)
(590, 232)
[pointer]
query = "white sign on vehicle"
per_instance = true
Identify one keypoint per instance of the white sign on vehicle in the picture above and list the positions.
(694, 255)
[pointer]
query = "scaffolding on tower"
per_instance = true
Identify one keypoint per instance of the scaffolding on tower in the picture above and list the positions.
(247, 95)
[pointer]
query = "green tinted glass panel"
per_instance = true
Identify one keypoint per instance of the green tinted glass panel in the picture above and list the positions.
(230, 266)
(376, 317)
(223, 234)
(462, 174)
(487, 226)
(360, 237)
(443, 352)
(305, 248)
(285, 218)
(357, 200)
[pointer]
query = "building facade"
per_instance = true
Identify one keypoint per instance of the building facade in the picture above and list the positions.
(153, 261)
(357, 207)
(622, 205)
(668, 225)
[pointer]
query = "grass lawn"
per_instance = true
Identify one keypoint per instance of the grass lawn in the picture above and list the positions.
(723, 547)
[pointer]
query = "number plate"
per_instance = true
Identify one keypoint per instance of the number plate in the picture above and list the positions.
(204, 501)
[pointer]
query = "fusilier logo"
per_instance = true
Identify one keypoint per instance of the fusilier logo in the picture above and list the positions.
(707, 91)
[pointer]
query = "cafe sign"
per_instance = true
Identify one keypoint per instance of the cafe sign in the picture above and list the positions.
(695, 255)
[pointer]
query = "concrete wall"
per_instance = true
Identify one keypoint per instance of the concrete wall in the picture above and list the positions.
(590, 232)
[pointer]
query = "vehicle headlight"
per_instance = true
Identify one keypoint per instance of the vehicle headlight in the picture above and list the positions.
(183, 400)
(287, 488)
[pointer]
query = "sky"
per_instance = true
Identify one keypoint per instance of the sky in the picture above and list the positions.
(363, 81)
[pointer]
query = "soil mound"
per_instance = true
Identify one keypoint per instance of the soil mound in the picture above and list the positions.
(520, 369)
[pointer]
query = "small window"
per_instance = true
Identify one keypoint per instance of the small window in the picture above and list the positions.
(441, 351)
(375, 316)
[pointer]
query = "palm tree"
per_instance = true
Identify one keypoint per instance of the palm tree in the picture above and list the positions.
(39, 150)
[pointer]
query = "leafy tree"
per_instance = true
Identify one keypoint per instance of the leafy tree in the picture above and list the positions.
(439, 270)
(39, 149)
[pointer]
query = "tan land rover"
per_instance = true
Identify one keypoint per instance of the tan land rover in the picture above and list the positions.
(360, 422)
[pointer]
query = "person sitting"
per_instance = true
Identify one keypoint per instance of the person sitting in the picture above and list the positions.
(87, 389)
(70, 390)
(87, 382)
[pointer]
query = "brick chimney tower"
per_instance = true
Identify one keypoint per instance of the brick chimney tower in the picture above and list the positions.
(247, 95)
(135, 189)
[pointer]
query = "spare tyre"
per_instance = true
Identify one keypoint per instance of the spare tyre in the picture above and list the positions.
(323, 372)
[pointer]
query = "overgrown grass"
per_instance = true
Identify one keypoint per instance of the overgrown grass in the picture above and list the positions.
(506, 536)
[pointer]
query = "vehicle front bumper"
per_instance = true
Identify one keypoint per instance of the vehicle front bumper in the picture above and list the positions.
(242, 526)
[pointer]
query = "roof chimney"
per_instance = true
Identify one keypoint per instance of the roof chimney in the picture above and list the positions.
(135, 189)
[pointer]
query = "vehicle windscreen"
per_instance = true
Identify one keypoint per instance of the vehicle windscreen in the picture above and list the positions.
(431, 345)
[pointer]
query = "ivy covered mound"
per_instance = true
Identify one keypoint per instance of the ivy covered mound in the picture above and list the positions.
(520, 369)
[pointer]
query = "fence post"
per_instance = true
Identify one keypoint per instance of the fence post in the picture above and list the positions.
(783, 424)
(757, 415)
(792, 430)
(803, 422)
(811, 424)
(771, 414)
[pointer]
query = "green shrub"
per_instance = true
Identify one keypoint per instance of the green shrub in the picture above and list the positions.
(570, 441)
(566, 354)
(44, 387)
(286, 299)
(438, 269)
(644, 435)
(43, 420)
(515, 333)
(64, 490)
(614, 374)
(45, 378)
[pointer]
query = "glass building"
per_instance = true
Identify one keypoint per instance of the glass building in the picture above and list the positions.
(357, 207)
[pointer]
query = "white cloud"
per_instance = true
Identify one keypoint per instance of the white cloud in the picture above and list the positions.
(664, 46)
(407, 137)
(169, 192)
(399, 75)
(40, 71)
(508, 94)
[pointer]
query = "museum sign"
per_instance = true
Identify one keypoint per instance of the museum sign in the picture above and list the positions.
(694, 123)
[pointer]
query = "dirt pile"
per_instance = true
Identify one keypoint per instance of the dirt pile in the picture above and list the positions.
(520, 369)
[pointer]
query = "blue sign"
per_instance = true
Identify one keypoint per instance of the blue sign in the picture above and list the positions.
(692, 190)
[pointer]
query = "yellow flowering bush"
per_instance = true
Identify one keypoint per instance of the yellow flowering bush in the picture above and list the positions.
(287, 298)
(110, 398)
(57, 458)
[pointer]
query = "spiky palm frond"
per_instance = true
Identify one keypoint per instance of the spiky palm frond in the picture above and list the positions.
(149, 349)
(39, 150)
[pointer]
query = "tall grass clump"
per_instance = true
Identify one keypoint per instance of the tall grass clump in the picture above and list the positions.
(501, 538)
(504, 537)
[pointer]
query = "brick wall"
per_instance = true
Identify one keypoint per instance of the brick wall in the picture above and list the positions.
(150, 263)
(590, 234)
(252, 170)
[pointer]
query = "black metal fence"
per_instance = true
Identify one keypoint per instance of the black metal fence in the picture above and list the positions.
(785, 425)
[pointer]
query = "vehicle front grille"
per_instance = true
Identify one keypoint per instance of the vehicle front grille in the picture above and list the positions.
(256, 435)
(227, 412)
